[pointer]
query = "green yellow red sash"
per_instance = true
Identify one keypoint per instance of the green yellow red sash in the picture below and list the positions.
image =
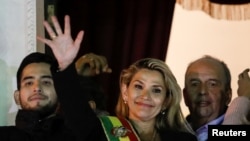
(118, 129)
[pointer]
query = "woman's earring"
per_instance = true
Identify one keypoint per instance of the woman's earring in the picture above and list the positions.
(163, 112)
(125, 102)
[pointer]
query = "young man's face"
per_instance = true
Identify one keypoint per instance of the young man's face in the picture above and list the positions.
(37, 90)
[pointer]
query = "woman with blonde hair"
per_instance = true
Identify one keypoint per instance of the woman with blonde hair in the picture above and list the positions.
(159, 84)
(148, 108)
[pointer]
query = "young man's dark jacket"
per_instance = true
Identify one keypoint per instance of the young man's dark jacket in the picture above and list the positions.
(31, 127)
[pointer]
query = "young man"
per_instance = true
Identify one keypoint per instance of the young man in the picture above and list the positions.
(39, 117)
(43, 115)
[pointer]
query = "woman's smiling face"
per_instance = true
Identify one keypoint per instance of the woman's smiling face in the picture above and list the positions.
(145, 95)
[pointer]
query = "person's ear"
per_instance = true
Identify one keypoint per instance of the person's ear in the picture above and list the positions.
(186, 97)
(92, 104)
(166, 103)
(17, 97)
(228, 96)
(124, 92)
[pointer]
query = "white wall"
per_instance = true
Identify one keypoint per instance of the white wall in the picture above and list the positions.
(17, 39)
(195, 34)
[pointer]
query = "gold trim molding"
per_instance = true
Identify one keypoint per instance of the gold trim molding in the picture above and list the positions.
(30, 26)
(234, 12)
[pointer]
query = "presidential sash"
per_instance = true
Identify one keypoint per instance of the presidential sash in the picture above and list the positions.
(118, 129)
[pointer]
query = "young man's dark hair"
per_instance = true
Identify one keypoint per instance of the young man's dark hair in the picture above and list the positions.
(35, 57)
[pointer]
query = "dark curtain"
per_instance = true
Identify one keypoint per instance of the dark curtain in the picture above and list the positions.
(122, 30)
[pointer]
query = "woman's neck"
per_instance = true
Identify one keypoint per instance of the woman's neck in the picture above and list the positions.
(145, 129)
